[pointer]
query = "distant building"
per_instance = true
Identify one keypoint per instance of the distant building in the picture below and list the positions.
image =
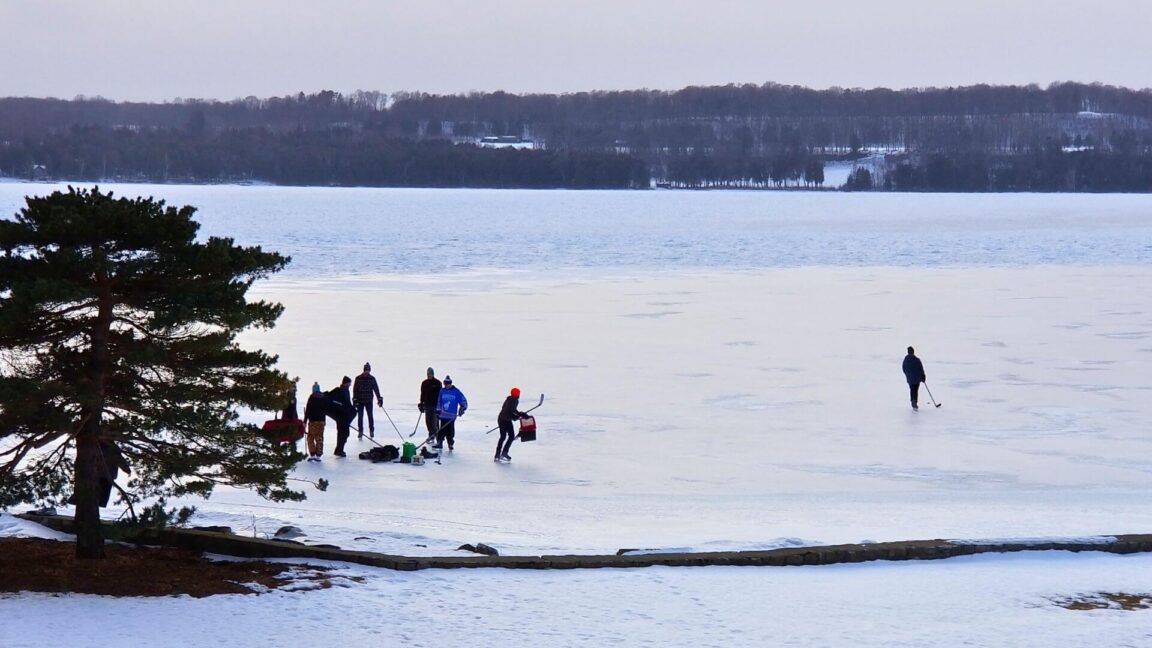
(506, 141)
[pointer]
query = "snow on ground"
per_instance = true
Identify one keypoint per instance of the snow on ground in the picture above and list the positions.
(15, 527)
(706, 410)
(989, 600)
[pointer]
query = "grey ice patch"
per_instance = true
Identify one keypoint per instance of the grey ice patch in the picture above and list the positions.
(868, 329)
(559, 482)
(741, 343)
(1036, 540)
(1047, 422)
(1127, 335)
(655, 315)
(995, 344)
(1135, 465)
(751, 403)
(568, 366)
(710, 482)
(782, 543)
(699, 374)
(920, 474)
(1080, 368)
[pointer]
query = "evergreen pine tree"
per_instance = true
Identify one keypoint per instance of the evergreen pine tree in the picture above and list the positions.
(117, 331)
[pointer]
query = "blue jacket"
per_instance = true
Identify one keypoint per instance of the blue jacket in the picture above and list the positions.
(452, 402)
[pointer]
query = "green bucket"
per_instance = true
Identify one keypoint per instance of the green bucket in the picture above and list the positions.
(409, 450)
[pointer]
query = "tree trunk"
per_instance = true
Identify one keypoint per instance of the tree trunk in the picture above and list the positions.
(89, 460)
(89, 537)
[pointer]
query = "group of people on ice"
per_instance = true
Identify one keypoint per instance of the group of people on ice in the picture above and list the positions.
(352, 400)
(442, 403)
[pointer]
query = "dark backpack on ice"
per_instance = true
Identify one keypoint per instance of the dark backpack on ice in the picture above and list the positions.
(381, 454)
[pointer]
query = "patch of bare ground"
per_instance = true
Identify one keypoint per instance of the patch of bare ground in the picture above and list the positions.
(1108, 601)
(38, 565)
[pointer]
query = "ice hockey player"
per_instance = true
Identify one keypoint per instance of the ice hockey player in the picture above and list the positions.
(315, 412)
(342, 411)
(452, 404)
(429, 402)
(363, 388)
(508, 412)
(914, 374)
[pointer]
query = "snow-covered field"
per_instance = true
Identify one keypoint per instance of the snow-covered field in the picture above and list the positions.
(708, 407)
(1009, 600)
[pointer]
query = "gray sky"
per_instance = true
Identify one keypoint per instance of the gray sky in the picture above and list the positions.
(155, 50)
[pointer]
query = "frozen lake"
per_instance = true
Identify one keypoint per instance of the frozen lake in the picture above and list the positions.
(722, 371)
(338, 232)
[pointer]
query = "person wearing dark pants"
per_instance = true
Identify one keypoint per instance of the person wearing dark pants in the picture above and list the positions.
(507, 412)
(914, 374)
(363, 389)
(429, 402)
(452, 404)
(342, 401)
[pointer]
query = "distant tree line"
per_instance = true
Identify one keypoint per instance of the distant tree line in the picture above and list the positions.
(1043, 171)
(329, 156)
(1087, 137)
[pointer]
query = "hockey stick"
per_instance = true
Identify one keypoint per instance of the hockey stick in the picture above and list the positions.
(393, 424)
(419, 417)
(439, 450)
(525, 411)
(930, 395)
(442, 426)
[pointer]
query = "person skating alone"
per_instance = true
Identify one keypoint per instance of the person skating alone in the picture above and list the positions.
(508, 412)
(315, 411)
(452, 404)
(342, 412)
(914, 374)
(363, 388)
(429, 402)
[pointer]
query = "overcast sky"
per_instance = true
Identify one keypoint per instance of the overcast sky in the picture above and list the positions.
(156, 50)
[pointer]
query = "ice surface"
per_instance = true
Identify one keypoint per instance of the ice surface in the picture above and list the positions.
(729, 386)
(371, 232)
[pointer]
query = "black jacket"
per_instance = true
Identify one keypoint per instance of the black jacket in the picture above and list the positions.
(317, 407)
(430, 394)
(340, 406)
(340, 395)
(914, 370)
(509, 411)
